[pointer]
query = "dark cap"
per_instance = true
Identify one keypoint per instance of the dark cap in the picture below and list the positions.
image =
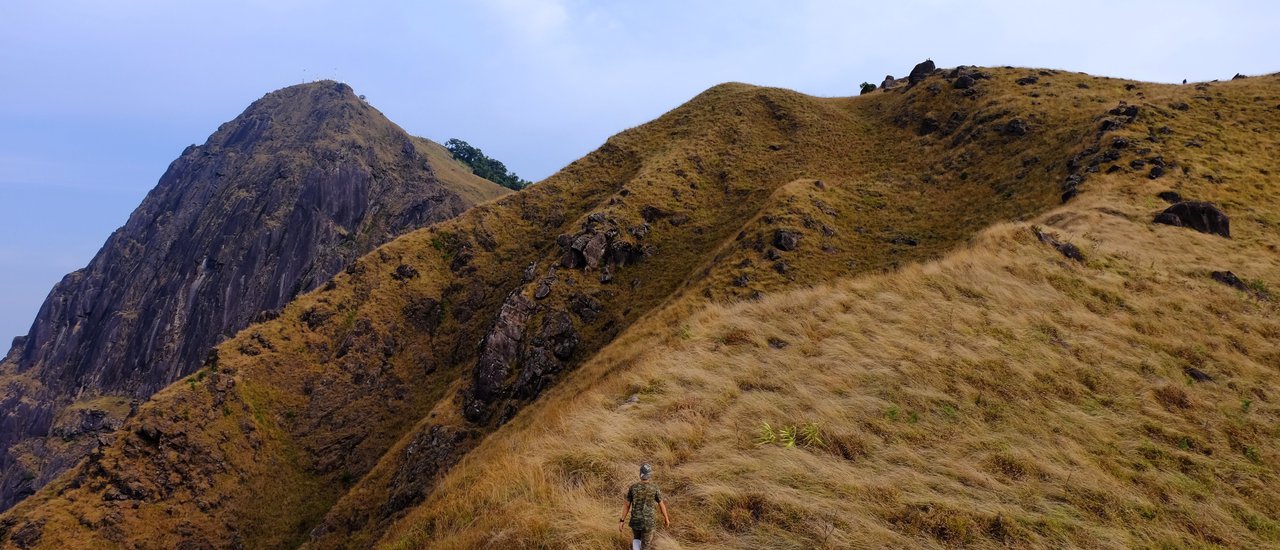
(646, 471)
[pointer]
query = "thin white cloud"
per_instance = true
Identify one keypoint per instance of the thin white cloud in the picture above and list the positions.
(534, 19)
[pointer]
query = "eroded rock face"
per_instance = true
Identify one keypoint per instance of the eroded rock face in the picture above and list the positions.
(276, 202)
(499, 353)
(430, 452)
(533, 340)
(518, 360)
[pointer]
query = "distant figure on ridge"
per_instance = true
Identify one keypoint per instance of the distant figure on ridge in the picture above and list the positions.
(641, 500)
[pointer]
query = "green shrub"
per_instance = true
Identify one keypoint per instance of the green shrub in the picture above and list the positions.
(484, 166)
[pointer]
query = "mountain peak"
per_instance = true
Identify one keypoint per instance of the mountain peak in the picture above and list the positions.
(302, 112)
(313, 95)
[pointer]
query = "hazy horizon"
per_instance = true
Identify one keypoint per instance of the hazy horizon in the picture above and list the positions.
(100, 98)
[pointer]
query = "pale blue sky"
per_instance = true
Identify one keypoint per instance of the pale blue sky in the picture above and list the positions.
(96, 97)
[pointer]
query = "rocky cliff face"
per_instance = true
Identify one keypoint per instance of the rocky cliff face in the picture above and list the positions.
(275, 203)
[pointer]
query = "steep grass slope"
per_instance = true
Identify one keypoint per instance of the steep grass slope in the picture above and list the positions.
(1004, 395)
(333, 424)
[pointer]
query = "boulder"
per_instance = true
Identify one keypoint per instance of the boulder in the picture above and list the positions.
(1026, 80)
(571, 259)
(1171, 197)
(963, 82)
(404, 272)
(889, 82)
(652, 213)
(1016, 127)
(1068, 250)
(928, 126)
(558, 334)
(544, 288)
(786, 240)
(1071, 187)
(585, 307)
(1230, 279)
(1197, 374)
(1130, 111)
(1200, 216)
(920, 71)
(593, 252)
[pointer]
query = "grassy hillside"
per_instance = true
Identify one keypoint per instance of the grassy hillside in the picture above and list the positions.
(999, 395)
(1004, 395)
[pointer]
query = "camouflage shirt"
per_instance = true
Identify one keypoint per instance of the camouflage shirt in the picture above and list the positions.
(644, 499)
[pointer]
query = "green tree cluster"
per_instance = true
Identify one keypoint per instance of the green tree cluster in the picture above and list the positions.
(483, 166)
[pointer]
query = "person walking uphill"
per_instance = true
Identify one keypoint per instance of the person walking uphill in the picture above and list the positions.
(642, 498)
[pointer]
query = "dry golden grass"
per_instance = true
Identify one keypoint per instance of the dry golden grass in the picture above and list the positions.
(1001, 396)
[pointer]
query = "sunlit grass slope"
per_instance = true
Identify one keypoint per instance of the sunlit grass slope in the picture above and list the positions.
(1004, 395)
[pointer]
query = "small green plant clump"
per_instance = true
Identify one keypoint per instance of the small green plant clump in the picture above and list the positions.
(806, 435)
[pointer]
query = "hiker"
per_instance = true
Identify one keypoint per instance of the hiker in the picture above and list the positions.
(641, 498)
